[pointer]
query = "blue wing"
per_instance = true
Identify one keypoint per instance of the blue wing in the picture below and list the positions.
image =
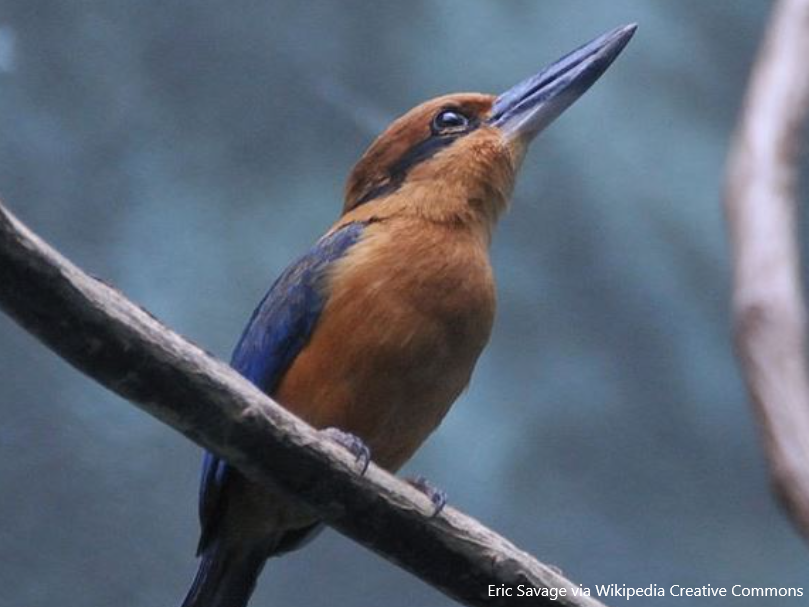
(278, 330)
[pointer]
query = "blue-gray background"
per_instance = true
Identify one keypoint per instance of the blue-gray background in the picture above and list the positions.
(186, 151)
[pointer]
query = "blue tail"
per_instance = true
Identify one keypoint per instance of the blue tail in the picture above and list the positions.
(226, 576)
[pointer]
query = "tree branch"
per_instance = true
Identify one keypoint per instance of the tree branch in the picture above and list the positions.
(99, 331)
(760, 202)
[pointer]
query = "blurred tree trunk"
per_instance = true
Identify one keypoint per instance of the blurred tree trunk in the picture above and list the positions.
(761, 206)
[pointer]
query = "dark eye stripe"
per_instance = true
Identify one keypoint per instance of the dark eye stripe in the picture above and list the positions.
(377, 192)
(418, 153)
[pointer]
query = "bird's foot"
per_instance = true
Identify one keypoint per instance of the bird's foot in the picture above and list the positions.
(351, 443)
(437, 496)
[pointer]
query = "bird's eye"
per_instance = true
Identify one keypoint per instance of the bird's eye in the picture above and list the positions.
(449, 120)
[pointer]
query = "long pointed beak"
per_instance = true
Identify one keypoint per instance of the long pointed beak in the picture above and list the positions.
(527, 108)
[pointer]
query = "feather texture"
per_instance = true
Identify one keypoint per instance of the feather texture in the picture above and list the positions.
(278, 329)
(375, 331)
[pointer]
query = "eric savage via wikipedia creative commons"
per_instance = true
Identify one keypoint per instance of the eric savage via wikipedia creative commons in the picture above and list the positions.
(627, 592)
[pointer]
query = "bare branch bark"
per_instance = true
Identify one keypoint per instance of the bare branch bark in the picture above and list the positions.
(99, 331)
(761, 205)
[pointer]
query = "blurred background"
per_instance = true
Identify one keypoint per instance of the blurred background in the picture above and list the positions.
(187, 151)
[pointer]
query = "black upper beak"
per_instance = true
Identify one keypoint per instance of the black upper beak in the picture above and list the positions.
(527, 108)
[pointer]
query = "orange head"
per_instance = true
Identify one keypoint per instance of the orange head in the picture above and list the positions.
(455, 158)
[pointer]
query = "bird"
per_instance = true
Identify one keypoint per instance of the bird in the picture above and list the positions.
(373, 333)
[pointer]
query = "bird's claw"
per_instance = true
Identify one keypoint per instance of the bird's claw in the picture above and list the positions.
(437, 496)
(351, 443)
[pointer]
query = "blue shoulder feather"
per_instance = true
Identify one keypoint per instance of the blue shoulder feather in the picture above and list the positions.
(278, 330)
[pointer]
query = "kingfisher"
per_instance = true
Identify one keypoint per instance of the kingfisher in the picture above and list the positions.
(374, 332)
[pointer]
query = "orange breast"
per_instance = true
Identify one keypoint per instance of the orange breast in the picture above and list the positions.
(410, 309)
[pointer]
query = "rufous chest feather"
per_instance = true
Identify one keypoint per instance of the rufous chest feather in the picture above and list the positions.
(426, 285)
(410, 308)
